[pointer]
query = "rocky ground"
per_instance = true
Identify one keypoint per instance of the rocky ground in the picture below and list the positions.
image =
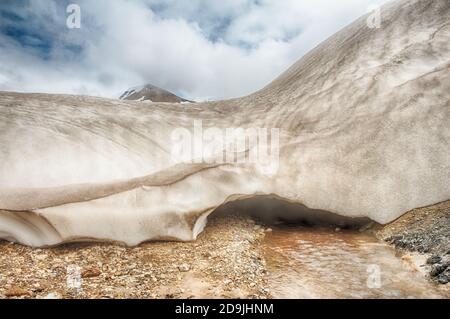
(426, 231)
(225, 261)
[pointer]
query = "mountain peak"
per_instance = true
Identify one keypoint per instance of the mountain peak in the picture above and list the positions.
(150, 92)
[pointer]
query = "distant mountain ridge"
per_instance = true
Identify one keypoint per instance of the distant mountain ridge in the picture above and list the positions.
(151, 93)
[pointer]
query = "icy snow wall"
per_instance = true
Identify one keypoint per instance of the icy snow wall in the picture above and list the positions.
(364, 131)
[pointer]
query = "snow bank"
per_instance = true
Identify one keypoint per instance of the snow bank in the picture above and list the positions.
(364, 132)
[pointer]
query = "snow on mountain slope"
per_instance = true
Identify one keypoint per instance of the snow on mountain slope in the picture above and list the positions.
(364, 132)
(151, 93)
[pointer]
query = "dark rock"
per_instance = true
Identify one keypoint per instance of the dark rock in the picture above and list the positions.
(443, 279)
(437, 270)
(434, 260)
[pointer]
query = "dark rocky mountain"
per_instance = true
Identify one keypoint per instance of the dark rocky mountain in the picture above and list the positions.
(151, 93)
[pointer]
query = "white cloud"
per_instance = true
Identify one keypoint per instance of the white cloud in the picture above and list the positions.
(200, 48)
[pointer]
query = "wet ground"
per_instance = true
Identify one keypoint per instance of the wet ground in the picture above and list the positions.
(322, 263)
(235, 257)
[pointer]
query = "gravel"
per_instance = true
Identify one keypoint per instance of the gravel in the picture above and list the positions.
(225, 261)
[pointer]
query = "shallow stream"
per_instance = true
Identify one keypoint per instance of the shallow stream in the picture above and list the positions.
(307, 262)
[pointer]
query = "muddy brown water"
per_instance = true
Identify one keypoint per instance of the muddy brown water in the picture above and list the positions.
(322, 263)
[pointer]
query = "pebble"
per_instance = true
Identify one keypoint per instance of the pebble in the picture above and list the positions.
(91, 273)
(41, 257)
(184, 268)
(16, 292)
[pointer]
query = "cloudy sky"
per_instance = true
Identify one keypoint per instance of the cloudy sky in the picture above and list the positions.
(199, 49)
